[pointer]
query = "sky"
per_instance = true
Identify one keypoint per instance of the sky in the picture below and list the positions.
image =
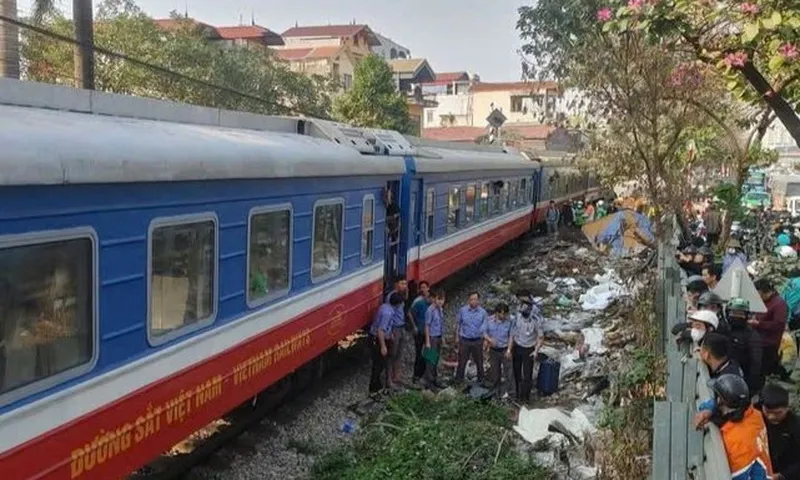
(454, 35)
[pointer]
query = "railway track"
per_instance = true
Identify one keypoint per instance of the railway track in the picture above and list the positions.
(298, 390)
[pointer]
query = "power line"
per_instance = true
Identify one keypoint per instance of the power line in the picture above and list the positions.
(141, 63)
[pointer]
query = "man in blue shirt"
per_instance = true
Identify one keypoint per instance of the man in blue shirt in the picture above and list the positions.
(381, 334)
(398, 328)
(469, 333)
(418, 309)
(497, 334)
(433, 329)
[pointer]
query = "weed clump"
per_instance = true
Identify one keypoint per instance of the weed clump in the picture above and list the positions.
(421, 438)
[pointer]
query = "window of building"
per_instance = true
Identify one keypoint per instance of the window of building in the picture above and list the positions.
(347, 81)
(453, 210)
(269, 256)
(182, 276)
(393, 53)
(469, 205)
(367, 229)
(326, 259)
(429, 116)
(47, 302)
(484, 209)
(430, 204)
(516, 103)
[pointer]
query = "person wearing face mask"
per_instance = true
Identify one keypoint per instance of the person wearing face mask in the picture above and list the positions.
(744, 433)
(745, 343)
(526, 339)
(711, 301)
(732, 255)
(698, 323)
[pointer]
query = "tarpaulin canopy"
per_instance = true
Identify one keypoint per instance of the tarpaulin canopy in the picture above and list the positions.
(625, 232)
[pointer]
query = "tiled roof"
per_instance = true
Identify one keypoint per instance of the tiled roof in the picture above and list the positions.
(324, 31)
(244, 31)
(448, 78)
(515, 86)
(307, 53)
(452, 76)
(453, 134)
(406, 65)
(469, 134)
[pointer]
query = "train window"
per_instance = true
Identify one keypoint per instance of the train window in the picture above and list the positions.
(47, 300)
(453, 210)
(326, 258)
(269, 253)
(183, 271)
(504, 197)
(523, 191)
(484, 210)
(430, 204)
(469, 206)
(367, 229)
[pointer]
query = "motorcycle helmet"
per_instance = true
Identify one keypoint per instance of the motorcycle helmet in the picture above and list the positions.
(732, 389)
(706, 316)
(709, 298)
(739, 304)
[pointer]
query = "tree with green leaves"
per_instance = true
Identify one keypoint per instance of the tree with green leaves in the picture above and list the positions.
(754, 44)
(373, 101)
(269, 85)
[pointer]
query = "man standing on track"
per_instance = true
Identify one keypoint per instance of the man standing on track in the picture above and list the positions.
(381, 334)
(401, 316)
(469, 334)
(418, 310)
(551, 217)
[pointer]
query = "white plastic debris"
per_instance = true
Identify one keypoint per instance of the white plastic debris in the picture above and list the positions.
(533, 425)
(593, 337)
(600, 296)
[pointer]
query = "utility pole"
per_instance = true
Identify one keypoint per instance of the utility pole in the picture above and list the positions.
(84, 50)
(9, 41)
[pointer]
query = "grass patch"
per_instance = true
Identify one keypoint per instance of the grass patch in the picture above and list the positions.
(421, 438)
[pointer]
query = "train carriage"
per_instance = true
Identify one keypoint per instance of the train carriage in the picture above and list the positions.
(160, 264)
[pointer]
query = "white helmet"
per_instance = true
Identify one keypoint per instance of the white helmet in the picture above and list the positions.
(786, 251)
(706, 316)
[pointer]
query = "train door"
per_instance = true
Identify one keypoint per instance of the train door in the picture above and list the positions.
(393, 233)
(419, 212)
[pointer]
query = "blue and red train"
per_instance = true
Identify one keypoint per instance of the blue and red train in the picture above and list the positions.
(161, 264)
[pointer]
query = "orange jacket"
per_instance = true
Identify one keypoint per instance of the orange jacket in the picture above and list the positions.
(747, 447)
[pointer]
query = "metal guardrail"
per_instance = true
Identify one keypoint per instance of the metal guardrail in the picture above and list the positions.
(679, 451)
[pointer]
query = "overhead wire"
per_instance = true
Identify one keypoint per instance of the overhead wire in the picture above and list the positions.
(141, 63)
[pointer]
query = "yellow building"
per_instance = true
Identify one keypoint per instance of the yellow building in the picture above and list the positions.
(520, 102)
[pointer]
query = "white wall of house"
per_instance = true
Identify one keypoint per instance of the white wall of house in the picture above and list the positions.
(389, 49)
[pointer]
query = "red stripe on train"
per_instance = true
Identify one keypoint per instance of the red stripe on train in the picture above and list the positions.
(116, 439)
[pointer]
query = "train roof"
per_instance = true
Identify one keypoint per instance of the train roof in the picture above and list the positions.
(53, 134)
(58, 135)
(446, 157)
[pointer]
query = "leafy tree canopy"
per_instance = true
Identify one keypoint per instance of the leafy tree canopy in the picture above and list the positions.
(122, 27)
(373, 101)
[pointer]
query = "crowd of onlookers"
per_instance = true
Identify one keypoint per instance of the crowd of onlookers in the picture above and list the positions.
(747, 355)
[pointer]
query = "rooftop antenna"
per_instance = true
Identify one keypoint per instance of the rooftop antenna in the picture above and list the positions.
(241, 19)
(186, 9)
(252, 18)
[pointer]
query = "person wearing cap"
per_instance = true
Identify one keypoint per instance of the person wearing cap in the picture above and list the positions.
(732, 255)
(745, 343)
(783, 431)
(744, 433)
(771, 325)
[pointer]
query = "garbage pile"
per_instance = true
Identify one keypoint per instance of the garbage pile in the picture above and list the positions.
(585, 294)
